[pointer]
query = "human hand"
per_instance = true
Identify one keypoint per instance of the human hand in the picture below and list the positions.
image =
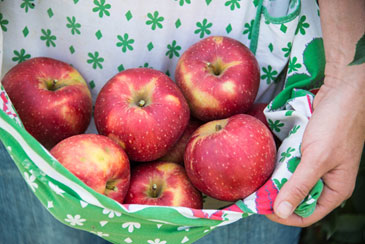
(331, 150)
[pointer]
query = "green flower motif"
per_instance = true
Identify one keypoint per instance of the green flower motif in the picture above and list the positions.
(27, 4)
(286, 154)
(95, 60)
(146, 65)
(270, 74)
(48, 37)
(280, 184)
(125, 42)
(181, 2)
(248, 29)
(302, 25)
(233, 4)
(293, 65)
(73, 25)
(203, 28)
(20, 56)
(293, 4)
(173, 50)
(3, 23)
(287, 49)
(154, 20)
(256, 2)
(293, 164)
(102, 8)
(294, 130)
(275, 126)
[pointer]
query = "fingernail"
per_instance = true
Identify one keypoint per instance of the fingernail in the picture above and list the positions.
(284, 210)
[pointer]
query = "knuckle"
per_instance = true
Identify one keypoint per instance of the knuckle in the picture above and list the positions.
(300, 191)
(348, 193)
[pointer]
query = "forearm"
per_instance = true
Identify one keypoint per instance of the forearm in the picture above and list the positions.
(342, 26)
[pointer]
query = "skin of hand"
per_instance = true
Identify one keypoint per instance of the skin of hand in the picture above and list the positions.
(334, 138)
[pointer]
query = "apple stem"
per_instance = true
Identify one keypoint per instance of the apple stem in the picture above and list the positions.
(51, 86)
(218, 127)
(154, 190)
(213, 69)
(141, 103)
(54, 82)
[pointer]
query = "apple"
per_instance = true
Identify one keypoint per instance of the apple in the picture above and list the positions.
(219, 77)
(97, 161)
(143, 110)
(257, 111)
(51, 97)
(229, 159)
(176, 153)
(164, 184)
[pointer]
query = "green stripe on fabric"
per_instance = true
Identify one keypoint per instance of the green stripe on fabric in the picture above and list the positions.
(41, 152)
(244, 207)
(35, 145)
(256, 28)
(283, 19)
(26, 165)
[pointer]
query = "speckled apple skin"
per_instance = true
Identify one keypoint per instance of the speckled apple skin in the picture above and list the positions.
(96, 160)
(213, 97)
(49, 116)
(176, 153)
(146, 133)
(257, 111)
(233, 162)
(176, 188)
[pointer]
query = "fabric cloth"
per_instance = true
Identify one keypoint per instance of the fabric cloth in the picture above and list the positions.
(103, 37)
(24, 220)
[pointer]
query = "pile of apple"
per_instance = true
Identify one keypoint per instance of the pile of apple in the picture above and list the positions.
(158, 142)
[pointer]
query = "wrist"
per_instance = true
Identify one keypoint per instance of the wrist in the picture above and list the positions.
(341, 76)
(350, 100)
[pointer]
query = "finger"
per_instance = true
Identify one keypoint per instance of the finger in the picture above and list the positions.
(327, 202)
(292, 220)
(298, 186)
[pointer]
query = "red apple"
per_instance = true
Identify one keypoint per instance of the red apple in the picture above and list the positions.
(51, 97)
(219, 77)
(144, 111)
(229, 159)
(176, 153)
(162, 183)
(257, 111)
(97, 161)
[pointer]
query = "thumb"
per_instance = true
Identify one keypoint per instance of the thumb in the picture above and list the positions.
(298, 186)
